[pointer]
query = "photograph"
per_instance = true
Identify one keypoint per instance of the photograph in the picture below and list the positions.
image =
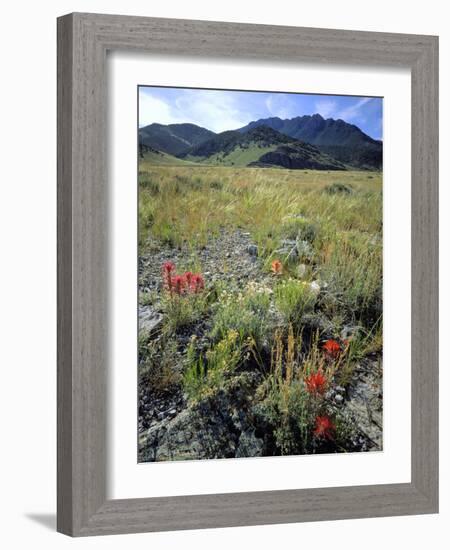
(260, 274)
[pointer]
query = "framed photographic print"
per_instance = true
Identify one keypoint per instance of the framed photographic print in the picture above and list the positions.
(247, 274)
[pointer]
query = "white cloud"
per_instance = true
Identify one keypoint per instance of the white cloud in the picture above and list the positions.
(279, 105)
(326, 107)
(215, 110)
(153, 109)
(353, 111)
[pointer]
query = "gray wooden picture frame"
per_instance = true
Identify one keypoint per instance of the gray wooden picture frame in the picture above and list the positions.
(83, 41)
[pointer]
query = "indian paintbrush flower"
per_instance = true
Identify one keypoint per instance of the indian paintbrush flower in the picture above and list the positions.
(324, 427)
(181, 284)
(277, 267)
(197, 283)
(316, 383)
(332, 349)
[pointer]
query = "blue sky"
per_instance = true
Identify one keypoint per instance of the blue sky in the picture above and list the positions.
(220, 110)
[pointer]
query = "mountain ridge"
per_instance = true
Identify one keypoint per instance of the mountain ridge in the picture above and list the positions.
(173, 138)
(344, 141)
(337, 144)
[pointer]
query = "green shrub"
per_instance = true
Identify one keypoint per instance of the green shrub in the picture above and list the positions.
(147, 298)
(353, 270)
(293, 299)
(338, 188)
(158, 365)
(206, 373)
(288, 411)
(246, 313)
(184, 310)
(299, 228)
(148, 184)
(216, 184)
(146, 219)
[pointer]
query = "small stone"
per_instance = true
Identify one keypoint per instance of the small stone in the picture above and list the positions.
(339, 399)
(301, 270)
(349, 331)
(315, 287)
(149, 320)
(252, 249)
(304, 249)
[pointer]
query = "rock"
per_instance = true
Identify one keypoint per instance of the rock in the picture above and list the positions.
(252, 249)
(365, 403)
(338, 399)
(315, 288)
(288, 250)
(249, 445)
(292, 249)
(215, 427)
(304, 249)
(349, 331)
(318, 321)
(301, 270)
(149, 320)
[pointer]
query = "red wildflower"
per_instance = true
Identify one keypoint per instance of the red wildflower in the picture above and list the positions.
(324, 427)
(168, 267)
(197, 283)
(332, 349)
(316, 383)
(181, 284)
(277, 267)
(178, 284)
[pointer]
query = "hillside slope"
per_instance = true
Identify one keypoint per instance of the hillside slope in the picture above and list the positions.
(173, 138)
(261, 146)
(341, 140)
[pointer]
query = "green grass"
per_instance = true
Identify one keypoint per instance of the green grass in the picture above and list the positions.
(162, 159)
(293, 299)
(245, 313)
(182, 311)
(237, 157)
(336, 220)
(257, 199)
(185, 206)
(205, 373)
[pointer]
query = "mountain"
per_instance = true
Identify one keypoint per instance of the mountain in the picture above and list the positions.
(260, 146)
(309, 142)
(339, 139)
(173, 139)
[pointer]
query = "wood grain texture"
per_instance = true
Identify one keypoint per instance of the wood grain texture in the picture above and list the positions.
(83, 41)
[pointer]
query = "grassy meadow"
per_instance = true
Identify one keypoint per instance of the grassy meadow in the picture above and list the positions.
(267, 287)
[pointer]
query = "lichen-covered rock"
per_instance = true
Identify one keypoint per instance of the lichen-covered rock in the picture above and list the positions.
(365, 403)
(149, 320)
(249, 445)
(218, 426)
